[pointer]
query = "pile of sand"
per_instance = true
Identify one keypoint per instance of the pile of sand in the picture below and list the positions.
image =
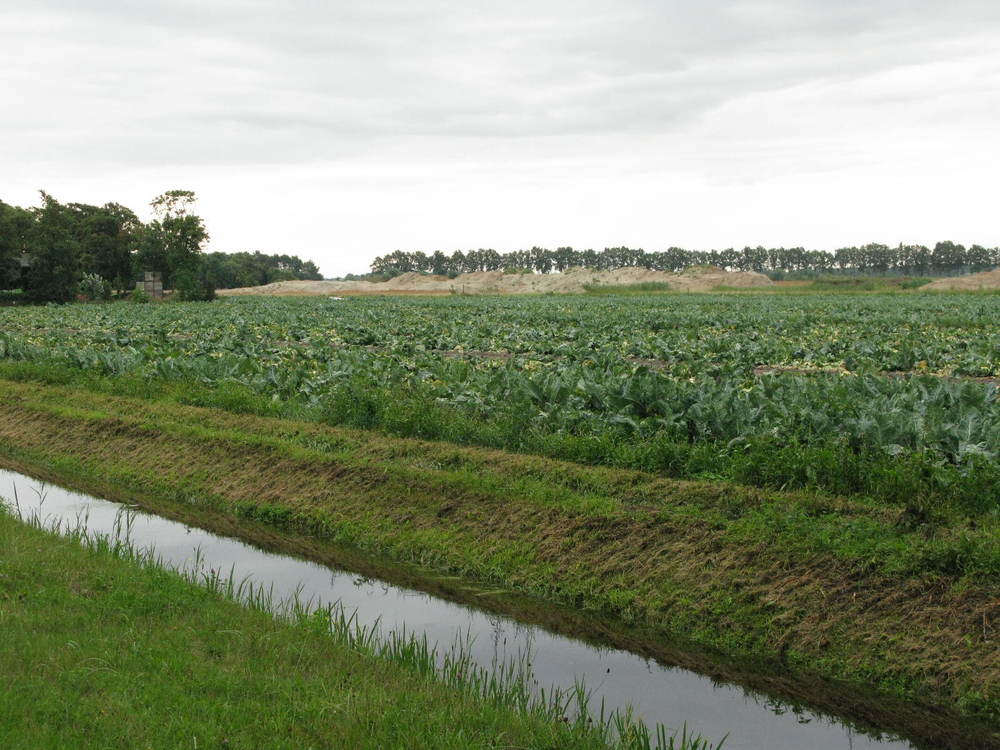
(973, 283)
(574, 280)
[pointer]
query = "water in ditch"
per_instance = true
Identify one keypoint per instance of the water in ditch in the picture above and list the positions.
(657, 693)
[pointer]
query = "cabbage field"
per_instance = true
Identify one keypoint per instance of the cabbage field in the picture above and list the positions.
(887, 396)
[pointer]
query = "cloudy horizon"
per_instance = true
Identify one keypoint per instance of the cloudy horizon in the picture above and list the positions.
(339, 132)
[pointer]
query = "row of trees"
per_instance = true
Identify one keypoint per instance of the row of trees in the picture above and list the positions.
(232, 270)
(54, 251)
(944, 259)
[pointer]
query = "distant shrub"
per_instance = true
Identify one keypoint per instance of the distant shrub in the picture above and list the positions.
(193, 286)
(700, 268)
(94, 287)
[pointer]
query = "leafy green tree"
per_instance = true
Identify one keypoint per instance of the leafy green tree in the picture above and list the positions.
(107, 235)
(172, 242)
(194, 284)
(979, 258)
(54, 270)
(151, 252)
(564, 258)
(229, 270)
(873, 258)
(947, 256)
(541, 260)
(439, 263)
(15, 227)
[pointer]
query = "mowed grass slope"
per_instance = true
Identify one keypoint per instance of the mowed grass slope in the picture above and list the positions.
(840, 588)
(102, 648)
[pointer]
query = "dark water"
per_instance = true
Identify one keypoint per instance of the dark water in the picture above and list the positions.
(657, 693)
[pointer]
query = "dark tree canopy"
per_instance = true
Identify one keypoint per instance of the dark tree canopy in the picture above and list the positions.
(54, 251)
(15, 229)
(231, 270)
(47, 252)
(107, 235)
(944, 259)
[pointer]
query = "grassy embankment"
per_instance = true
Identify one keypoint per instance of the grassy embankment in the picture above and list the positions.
(821, 284)
(789, 456)
(833, 283)
(102, 647)
(847, 589)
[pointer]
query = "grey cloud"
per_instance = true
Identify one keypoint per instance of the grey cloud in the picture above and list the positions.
(259, 81)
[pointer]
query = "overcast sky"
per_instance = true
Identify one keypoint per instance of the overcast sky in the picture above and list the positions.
(344, 130)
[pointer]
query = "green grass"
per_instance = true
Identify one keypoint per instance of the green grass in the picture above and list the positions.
(866, 283)
(921, 481)
(103, 647)
(819, 284)
(839, 588)
(870, 395)
(644, 287)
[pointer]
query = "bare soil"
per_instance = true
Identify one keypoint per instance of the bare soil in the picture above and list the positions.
(976, 282)
(574, 280)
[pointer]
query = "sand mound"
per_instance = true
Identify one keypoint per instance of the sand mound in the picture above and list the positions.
(972, 283)
(574, 280)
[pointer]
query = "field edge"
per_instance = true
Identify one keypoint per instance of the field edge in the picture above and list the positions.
(346, 485)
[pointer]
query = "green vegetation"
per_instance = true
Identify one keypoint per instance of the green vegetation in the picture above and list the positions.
(844, 589)
(874, 259)
(232, 270)
(878, 396)
(843, 521)
(849, 283)
(867, 283)
(105, 648)
(59, 251)
(645, 287)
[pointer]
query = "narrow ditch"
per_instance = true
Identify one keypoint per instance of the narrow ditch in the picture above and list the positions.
(616, 664)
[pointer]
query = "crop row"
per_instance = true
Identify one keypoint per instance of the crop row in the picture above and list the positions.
(573, 368)
(692, 334)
